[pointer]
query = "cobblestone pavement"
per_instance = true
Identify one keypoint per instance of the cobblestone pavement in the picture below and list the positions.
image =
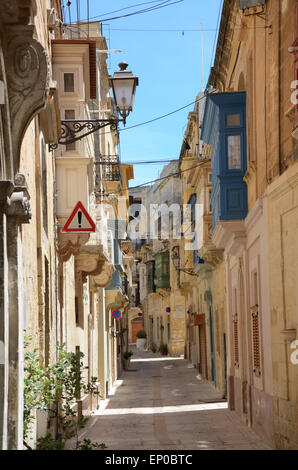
(161, 404)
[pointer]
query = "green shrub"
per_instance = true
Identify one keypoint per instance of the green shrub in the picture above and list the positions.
(163, 349)
(55, 389)
(127, 354)
(141, 334)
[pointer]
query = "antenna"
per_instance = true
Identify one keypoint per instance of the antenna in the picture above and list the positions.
(202, 56)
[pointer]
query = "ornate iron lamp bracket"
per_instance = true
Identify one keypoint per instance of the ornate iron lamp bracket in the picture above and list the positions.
(71, 128)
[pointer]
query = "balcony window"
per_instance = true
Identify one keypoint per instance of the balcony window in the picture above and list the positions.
(150, 277)
(162, 271)
(69, 82)
(224, 128)
(234, 152)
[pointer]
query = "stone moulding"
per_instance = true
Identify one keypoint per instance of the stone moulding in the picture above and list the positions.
(28, 73)
(230, 236)
(17, 11)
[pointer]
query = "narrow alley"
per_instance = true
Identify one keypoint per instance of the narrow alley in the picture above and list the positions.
(160, 403)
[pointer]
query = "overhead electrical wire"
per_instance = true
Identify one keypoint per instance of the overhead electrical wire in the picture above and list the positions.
(136, 162)
(185, 30)
(177, 173)
(163, 4)
(122, 9)
(159, 117)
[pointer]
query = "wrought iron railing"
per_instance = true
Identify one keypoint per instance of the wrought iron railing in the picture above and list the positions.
(110, 165)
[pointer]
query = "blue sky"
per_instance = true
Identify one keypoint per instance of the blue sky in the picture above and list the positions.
(168, 65)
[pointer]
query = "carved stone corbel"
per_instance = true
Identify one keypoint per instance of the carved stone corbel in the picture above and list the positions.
(104, 278)
(17, 11)
(119, 302)
(18, 203)
(28, 72)
(211, 255)
(90, 259)
(69, 244)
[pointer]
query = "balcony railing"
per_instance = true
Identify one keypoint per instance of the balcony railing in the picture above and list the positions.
(110, 167)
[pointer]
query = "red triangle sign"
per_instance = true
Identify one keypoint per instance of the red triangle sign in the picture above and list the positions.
(79, 221)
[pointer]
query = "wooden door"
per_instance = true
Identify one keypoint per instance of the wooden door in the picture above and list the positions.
(136, 325)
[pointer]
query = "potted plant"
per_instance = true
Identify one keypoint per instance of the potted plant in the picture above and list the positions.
(141, 339)
(126, 356)
(163, 349)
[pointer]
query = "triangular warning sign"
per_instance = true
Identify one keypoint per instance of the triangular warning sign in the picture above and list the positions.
(79, 221)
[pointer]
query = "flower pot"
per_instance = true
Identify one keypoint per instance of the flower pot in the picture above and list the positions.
(140, 344)
(126, 364)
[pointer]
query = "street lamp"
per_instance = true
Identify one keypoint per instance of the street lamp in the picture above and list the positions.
(123, 84)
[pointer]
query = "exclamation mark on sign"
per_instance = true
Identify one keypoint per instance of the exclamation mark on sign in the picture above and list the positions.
(80, 218)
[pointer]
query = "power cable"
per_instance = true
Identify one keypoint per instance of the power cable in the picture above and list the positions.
(164, 177)
(122, 9)
(162, 4)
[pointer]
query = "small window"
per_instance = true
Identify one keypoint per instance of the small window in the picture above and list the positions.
(233, 120)
(209, 178)
(234, 152)
(68, 82)
(77, 315)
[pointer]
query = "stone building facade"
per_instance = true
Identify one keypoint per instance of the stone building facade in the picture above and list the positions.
(53, 283)
(254, 219)
(29, 121)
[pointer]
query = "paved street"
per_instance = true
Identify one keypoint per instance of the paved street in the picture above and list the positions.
(161, 404)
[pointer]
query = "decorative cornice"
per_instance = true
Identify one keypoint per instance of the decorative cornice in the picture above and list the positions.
(284, 184)
(230, 236)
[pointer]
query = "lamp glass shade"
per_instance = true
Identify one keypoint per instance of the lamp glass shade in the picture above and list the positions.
(124, 92)
(124, 85)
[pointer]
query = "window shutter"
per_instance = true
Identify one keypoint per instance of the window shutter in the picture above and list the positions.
(236, 340)
(256, 340)
(69, 82)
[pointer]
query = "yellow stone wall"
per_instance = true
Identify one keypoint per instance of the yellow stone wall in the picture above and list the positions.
(283, 262)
